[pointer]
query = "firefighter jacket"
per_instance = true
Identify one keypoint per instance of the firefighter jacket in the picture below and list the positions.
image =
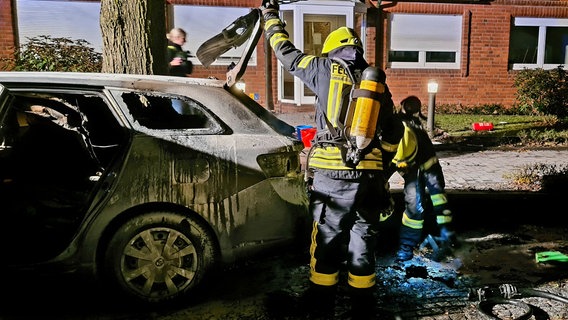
(332, 85)
(415, 149)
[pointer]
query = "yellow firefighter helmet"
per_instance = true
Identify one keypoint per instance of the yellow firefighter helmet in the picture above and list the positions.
(340, 37)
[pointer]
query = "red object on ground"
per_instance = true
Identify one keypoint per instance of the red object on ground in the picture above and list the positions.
(307, 136)
(482, 126)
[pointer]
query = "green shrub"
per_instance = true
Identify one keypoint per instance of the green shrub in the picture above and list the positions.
(43, 53)
(543, 92)
(533, 176)
(483, 109)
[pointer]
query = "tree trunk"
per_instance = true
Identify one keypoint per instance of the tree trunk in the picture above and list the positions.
(134, 36)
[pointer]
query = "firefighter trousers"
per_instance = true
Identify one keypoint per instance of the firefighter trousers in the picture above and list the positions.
(416, 182)
(346, 217)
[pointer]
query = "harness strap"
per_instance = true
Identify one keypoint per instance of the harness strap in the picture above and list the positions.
(366, 94)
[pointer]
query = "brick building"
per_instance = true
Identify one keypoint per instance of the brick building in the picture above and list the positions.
(471, 48)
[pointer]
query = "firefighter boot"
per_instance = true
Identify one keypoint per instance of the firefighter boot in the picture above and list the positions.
(404, 253)
(318, 301)
(448, 236)
(363, 303)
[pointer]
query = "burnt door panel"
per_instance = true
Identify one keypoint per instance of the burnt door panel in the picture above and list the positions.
(51, 172)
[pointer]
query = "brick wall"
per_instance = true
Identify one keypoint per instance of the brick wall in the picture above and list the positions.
(482, 79)
(7, 40)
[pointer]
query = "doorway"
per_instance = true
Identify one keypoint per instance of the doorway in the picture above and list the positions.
(308, 27)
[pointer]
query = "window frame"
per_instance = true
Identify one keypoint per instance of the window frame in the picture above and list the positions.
(200, 27)
(212, 127)
(542, 24)
(417, 22)
(60, 19)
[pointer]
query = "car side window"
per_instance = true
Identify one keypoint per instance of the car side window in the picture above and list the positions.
(56, 146)
(80, 122)
(165, 112)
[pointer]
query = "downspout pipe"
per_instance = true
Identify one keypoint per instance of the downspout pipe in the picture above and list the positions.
(268, 73)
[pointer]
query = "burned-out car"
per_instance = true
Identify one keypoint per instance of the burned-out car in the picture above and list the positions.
(99, 174)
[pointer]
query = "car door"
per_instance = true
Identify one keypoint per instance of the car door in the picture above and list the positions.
(57, 148)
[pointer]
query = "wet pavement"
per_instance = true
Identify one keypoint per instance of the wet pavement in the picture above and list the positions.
(503, 225)
(500, 230)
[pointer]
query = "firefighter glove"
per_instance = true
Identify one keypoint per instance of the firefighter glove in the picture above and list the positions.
(270, 6)
(272, 24)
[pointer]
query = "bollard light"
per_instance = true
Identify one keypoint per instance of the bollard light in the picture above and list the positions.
(432, 86)
(432, 90)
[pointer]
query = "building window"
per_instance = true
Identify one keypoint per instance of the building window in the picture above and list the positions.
(425, 41)
(80, 20)
(200, 27)
(60, 19)
(538, 43)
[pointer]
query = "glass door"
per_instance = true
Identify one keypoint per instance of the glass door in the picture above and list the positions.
(308, 26)
(316, 30)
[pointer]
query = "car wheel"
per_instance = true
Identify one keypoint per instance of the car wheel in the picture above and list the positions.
(159, 257)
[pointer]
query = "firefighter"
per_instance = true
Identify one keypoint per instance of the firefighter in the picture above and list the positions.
(346, 184)
(418, 164)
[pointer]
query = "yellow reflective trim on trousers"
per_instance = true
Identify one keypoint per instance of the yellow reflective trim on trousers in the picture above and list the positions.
(443, 219)
(429, 163)
(313, 245)
(361, 282)
(439, 199)
(305, 61)
(316, 277)
(411, 223)
(324, 279)
(277, 38)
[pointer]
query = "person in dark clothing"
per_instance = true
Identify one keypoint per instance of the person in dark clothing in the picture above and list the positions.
(417, 163)
(178, 65)
(343, 195)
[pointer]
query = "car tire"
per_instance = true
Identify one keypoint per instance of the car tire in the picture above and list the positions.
(159, 257)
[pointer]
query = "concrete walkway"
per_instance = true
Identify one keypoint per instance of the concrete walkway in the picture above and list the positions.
(474, 170)
(490, 169)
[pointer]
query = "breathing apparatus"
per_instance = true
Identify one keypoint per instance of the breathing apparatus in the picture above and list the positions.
(364, 115)
(357, 129)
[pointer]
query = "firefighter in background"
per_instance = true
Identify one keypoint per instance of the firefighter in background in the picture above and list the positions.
(417, 163)
(343, 194)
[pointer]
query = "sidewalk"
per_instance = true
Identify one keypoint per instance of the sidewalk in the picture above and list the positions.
(484, 170)
(487, 170)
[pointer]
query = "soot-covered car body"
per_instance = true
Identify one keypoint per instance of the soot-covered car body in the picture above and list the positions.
(100, 174)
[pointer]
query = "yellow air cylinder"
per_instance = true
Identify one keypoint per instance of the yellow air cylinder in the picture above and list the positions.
(367, 108)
